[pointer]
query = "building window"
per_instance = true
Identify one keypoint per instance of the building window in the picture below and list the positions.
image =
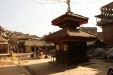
(65, 47)
(105, 14)
(108, 14)
(57, 47)
(112, 14)
(106, 8)
(112, 9)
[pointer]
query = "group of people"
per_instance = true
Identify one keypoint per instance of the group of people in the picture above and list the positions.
(39, 53)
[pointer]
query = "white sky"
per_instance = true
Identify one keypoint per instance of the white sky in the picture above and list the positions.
(35, 16)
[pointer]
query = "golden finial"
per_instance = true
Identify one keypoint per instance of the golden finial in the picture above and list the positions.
(68, 9)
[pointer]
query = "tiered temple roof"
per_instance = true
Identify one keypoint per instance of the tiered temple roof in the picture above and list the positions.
(68, 34)
(69, 18)
(106, 15)
(106, 11)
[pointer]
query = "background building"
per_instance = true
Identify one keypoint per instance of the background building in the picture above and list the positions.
(105, 20)
(4, 45)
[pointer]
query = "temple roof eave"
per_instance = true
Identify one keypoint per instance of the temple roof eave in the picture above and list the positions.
(70, 35)
(80, 33)
(100, 16)
(77, 39)
(74, 17)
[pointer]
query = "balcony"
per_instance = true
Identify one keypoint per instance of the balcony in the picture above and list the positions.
(104, 21)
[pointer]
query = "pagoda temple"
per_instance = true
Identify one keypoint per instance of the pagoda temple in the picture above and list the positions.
(70, 42)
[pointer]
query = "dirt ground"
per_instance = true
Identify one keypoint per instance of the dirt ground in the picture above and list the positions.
(43, 67)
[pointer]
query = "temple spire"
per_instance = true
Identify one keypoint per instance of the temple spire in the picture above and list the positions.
(68, 9)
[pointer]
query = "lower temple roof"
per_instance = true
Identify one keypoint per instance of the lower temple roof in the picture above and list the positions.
(68, 34)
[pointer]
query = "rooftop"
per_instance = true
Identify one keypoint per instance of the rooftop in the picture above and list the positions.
(73, 19)
(68, 33)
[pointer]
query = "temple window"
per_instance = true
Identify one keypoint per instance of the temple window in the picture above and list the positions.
(107, 14)
(57, 47)
(106, 8)
(112, 9)
(65, 47)
(98, 19)
(112, 14)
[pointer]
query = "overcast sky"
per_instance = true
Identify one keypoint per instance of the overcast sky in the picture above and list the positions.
(35, 16)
